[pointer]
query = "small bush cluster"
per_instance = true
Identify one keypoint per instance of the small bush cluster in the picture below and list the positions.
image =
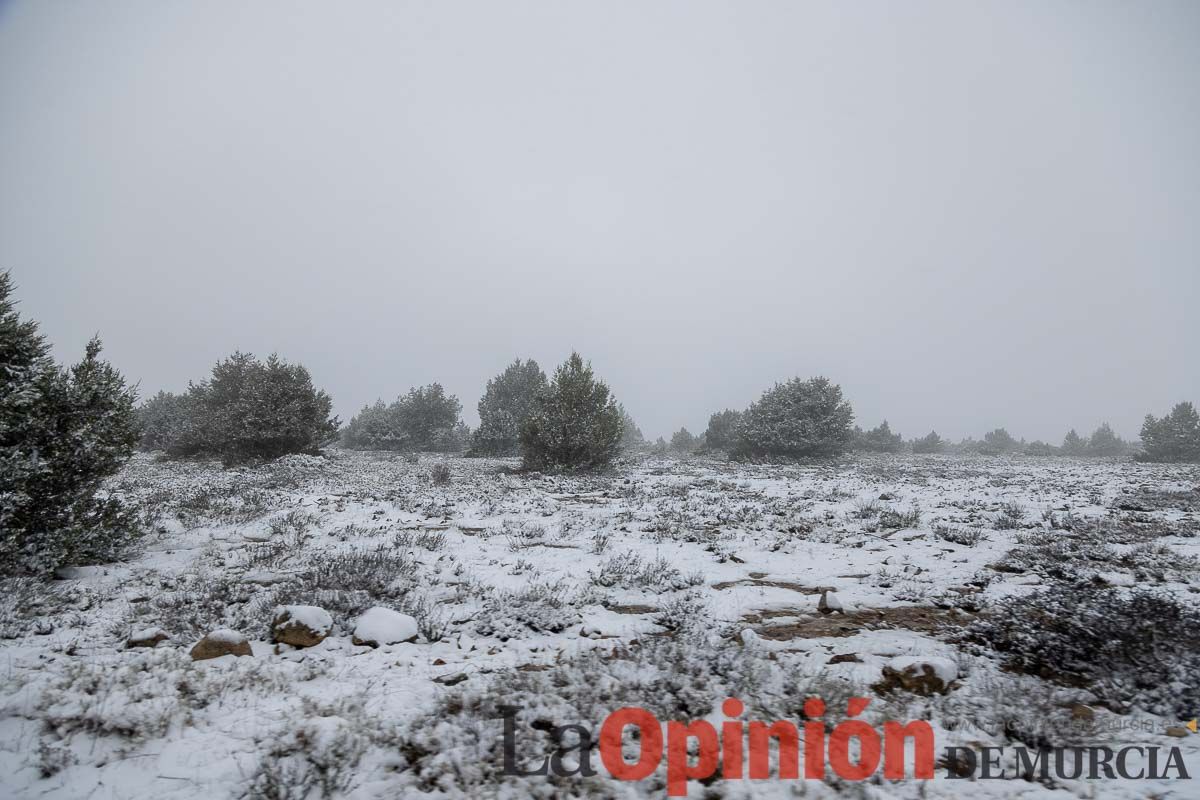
(629, 570)
(721, 433)
(539, 607)
(1136, 647)
(879, 439)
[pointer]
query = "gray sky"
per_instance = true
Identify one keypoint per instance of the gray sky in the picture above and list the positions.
(968, 214)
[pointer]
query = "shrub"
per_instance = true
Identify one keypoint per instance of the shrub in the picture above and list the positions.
(722, 430)
(929, 443)
(62, 433)
(439, 474)
(504, 407)
(248, 409)
(682, 441)
(425, 419)
(797, 419)
(878, 440)
(575, 424)
(1175, 437)
(1130, 647)
(1039, 448)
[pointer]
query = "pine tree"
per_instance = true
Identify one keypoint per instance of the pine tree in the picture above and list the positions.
(797, 419)
(1073, 444)
(721, 433)
(879, 439)
(575, 423)
(504, 407)
(682, 441)
(62, 433)
(1105, 443)
(929, 443)
(631, 434)
(1175, 437)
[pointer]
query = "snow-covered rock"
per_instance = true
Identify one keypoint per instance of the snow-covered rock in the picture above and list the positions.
(223, 642)
(829, 603)
(147, 637)
(924, 675)
(381, 625)
(301, 626)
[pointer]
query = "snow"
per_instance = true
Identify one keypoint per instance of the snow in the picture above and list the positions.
(527, 578)
(226, 636)
(314, 618)
(945, 669)
(384, 626)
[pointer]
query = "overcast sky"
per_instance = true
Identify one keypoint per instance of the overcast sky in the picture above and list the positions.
(968, 214)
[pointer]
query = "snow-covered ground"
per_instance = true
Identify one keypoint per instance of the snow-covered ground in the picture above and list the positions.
(669, 584)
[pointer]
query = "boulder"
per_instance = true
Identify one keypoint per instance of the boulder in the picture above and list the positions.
(381, 625)
(923, 675)
(223, 642)
(301, 626)
(147, 637)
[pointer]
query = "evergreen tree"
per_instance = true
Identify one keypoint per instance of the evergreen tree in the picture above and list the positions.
(62, 433)
(631, 434)
(997, 442)
(879, 439)
(1105, 443)
(504, 407)
(1073, 444)
(425, 419)
(682, 441)
(797, 419)
(575, 424)
(1175, 437)
(722, 430)
(929, 443)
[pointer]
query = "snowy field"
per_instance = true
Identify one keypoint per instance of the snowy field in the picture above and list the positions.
(668, 584)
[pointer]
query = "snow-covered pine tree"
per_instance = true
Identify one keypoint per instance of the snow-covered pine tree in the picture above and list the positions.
(797, 419)
(62, 433)
(575, 424)
(504, 407)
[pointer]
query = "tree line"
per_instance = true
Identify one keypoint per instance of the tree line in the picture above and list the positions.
(65, 430)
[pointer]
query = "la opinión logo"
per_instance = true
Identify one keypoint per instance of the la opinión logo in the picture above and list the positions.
(738, 749)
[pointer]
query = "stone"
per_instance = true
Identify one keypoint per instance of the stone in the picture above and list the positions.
(381, 625)
(148, 637)
(917, 674)
(223, 642)
(301, 626)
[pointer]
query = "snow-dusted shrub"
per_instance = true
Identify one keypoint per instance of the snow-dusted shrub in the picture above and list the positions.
(968, 537)
(538, 607)
(425, 419)
(629, 570)
(797, 419)
(1131, 647)
(346, 583)
(1175, 437)
(439, 474)
(685, 612)
(63, 432)
(1010, 517)
(998, 442)
(575, 422)
(247, 409)
(504, 407)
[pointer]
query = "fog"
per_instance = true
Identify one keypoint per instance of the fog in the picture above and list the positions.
(969, 215)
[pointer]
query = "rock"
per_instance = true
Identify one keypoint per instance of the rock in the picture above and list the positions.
(381, 625)
(223, 642)
(1082, 713)
(148, 637)
(923, 675)
(846, 658)
(829, 603)
(1177, 732)
(301, 626)
(451, 680)
(887, 496)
